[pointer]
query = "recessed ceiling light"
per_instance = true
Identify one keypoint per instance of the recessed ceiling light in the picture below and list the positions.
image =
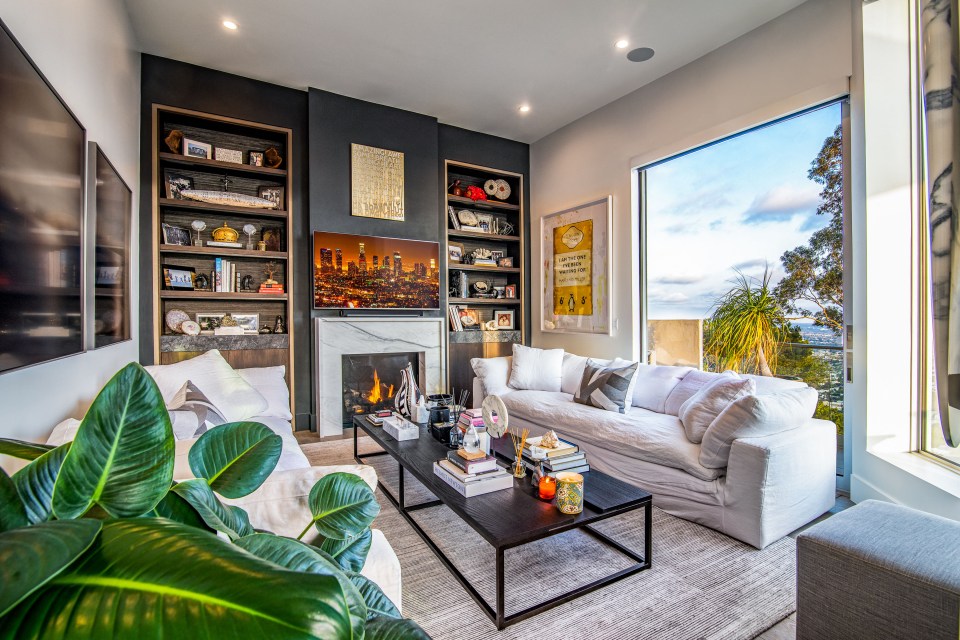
(524, 108)
(230, 24)
(640, 55)
(621, 44)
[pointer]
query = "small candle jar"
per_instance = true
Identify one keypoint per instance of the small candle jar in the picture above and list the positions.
(569, 492)
(547, 488)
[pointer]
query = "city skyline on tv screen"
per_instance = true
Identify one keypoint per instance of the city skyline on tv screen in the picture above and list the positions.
(368, 272)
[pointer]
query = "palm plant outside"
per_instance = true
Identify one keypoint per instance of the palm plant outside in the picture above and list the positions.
(746, 327)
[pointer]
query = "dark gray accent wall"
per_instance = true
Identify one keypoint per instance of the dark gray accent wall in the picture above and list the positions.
(324, 125)
(188, 86)
(485, 150)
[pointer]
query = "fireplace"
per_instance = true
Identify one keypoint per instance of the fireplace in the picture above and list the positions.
(370, 380)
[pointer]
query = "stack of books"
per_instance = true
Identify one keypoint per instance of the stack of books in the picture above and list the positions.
(225, 276)
(566, 457)
(472, 417)
(276, 288)
(472, 477)
(454, 312)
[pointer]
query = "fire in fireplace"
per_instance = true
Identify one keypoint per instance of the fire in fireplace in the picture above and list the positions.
(371, 379)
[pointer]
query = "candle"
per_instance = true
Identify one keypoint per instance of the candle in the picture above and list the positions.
(547, 488)
(569, 492)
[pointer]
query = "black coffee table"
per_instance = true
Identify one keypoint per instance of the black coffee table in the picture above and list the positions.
(511, 517)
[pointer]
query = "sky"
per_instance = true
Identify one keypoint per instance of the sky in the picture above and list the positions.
(736, 205)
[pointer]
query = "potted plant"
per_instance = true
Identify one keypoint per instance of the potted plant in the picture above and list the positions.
(96, 540)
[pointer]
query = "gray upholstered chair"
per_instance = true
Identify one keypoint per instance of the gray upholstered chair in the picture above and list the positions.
(879, 570)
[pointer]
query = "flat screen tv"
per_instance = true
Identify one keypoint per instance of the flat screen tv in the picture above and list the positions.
(367, 272)
(41, 216)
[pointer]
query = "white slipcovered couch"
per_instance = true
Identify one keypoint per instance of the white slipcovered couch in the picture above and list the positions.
(281, 504)
(776, 475)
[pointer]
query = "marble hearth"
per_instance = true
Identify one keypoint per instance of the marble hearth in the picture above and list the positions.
(336, 337)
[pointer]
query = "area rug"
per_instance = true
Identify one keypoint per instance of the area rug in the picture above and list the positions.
(702, 584)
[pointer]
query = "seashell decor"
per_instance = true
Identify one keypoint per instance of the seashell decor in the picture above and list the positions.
(228, 198)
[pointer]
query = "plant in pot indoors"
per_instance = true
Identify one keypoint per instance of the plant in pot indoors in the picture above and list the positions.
(96, 540)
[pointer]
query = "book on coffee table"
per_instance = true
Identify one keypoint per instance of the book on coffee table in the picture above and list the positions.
(486, 463)
(498, 482)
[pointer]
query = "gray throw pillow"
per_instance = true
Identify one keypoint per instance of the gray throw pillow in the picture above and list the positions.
(605, 387)
(195, 400)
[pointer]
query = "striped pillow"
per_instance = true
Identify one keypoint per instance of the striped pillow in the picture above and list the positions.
(605, 387)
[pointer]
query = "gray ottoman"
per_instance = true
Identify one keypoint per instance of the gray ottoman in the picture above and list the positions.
(879, 570)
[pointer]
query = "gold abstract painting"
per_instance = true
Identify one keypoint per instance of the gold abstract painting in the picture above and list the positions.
(377, 182)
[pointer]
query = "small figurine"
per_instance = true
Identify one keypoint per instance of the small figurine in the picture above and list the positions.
(173, 140)
(269, 270)
(266, 329)
(246, 282)
(201, 281)
(278, 325)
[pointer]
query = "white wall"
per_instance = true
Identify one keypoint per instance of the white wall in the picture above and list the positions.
(87, 52)
(797, 60)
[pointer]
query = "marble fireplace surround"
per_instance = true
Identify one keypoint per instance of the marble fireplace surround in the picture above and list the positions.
(335, 337)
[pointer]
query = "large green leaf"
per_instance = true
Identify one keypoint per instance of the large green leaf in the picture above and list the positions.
(32, 556)
(35, 483)
(342, 506)
(296, 556)
(173, 507)
(349, 554)
(153, 578)
(230, 520)
(383, 628)
(378, 604)
(122, 456)
(12, 513)
(235, 458)
(23, 450)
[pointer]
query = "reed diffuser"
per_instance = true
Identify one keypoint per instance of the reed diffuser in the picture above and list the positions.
(519, 471)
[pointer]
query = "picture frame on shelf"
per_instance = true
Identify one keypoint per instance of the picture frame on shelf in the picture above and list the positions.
(503, 318)
(176, 183)
(249, 322)
(228, 155)
(109, 276)
(197, 149)
(177, 278)
(454, 220)
(272, 238)
(470, 318)
(209, 321)
(255, 158)
(455, 252)
(174, 235)
(496, 254)
(505, 262)
(485, 222)
(510, 291)
(274, 195)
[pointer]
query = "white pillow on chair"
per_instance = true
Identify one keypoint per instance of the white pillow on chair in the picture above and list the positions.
(272, 384)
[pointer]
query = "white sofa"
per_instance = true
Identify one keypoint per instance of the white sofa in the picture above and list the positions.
(772, 484)
(281, 504)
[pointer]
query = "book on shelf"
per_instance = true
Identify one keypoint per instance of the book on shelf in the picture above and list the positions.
(454, 312)
(453, 218)
(486, 463)
(231, 245)
(464, 227)
(532, 449)
(276, 289)
(497, 482)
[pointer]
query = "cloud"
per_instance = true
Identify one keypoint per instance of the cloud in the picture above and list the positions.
(681, 279)
(673, 297)
(756, 263)
(781, 203)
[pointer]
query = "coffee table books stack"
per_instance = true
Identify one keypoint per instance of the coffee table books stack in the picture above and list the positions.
(472, 474)
(565, 457)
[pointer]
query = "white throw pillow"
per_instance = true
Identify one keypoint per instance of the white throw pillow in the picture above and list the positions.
(653, 384)
(272, 384)
(705, 405)
(233, 397)
(571, 372)
(536, 369)
(691, 383)
(493, 374)
(755, 416)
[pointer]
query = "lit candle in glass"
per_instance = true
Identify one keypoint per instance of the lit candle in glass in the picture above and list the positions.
(547, 488)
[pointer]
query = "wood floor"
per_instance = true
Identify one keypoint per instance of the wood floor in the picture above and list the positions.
(784, 630)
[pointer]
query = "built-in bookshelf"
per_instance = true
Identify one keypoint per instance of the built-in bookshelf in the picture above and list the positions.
(485, 291)
(236, 288)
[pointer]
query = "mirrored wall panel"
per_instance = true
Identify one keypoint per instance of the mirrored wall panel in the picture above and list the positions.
(111, 301)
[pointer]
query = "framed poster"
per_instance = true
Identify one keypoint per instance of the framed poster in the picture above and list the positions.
(377, 183)
(575, 256)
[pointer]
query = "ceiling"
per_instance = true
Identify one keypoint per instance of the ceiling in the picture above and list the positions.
(470, 64)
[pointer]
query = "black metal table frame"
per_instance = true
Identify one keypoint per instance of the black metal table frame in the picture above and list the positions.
(497, 615)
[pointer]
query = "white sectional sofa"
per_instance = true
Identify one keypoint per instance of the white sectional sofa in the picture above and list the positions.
(780, 474)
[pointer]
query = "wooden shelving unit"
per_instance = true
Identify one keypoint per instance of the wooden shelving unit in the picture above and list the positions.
(216, 175)
(471, 343)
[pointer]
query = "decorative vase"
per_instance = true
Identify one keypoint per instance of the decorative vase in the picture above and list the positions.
(471, 440)
(537, 474)
(569, 492)
(408, 395)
